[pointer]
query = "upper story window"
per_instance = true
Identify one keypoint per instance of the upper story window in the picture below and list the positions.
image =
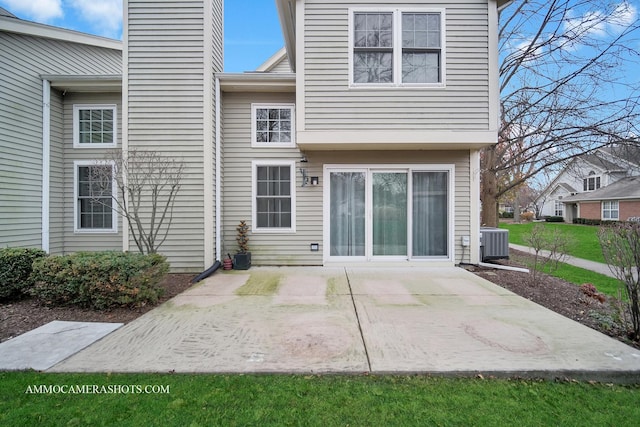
(272, 125)
(397, 47)
(591, 183)
(94, 126)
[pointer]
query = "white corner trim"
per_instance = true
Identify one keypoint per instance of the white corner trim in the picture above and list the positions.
(218, 163)
(124, 139)
(474, 195)
(46, 163)
(299, 67)
(208, 106)
(494, 79)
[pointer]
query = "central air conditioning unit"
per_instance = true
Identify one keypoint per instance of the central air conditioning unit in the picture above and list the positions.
(494, 243)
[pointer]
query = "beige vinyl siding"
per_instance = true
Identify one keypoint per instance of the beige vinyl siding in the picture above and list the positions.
(85, 241)
(167, 74)
(57, 175)
(282, 66)
(24, 59)
(267, 248)
(331, 105)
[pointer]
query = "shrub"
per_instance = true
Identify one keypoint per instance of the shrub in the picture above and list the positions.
(16, 265)
(591, 291)
(554, 219)
(527, 216)
(506, 214)
(621, 248)
(100, 280)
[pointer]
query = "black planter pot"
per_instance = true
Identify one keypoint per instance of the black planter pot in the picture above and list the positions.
(242, 261)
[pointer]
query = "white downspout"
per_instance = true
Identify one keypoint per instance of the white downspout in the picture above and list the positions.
(218, 153)
(46, 163)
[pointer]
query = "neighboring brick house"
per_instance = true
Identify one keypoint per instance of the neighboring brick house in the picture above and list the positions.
(593, 186)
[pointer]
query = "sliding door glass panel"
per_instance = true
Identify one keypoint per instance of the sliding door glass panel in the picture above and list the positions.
(347, 213)
(389, 209)
(430, 214)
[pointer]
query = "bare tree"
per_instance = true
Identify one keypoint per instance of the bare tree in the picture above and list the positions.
(147, 185)
(621, 248)
(564, 89)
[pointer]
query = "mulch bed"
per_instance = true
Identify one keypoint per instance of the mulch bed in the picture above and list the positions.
(565, 298)
(18, 317)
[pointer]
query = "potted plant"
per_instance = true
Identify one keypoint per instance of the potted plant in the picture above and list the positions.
(242, 259)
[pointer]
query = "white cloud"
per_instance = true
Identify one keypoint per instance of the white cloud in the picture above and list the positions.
(38, 10)
(601, 24)
(624, 15)
(105, 15)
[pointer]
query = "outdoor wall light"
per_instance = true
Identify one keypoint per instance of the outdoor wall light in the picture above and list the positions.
(315, 247)
(314, 180)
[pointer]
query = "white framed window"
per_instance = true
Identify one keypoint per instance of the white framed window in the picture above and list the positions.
(397, 47)
(610, 210)
(559, 208)
(591, 183)
(274, 196)
(94, 192)
(95, 126)
(272, 125)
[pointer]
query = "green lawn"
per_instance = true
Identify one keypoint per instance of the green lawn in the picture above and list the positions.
(331, 400)
(584, 238)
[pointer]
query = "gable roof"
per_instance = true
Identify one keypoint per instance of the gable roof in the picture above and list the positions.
(626, 188)
(5, 12)
(271, 63)
(10, 23)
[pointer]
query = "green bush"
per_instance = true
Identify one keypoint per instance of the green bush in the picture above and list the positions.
(506, 215)
(16, 265)
(100, 280)
(554, 219)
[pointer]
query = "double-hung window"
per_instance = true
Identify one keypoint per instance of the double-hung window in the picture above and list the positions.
(93, 202)
(610, 210)
(397, 47)
(272, 125)
(274, 196)
(94, 126)
(591, 183)
(559, 208)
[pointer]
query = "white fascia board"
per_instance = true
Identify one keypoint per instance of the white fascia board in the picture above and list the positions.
(20, 26)
(394, 139)
(85, 83)
(257, 82)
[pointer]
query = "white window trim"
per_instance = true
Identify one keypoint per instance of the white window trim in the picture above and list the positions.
(558, 203)
(254, 193)
(76, 208)
(610, 209)
(594, 177)
(397, 50)
(255, 143)
(368, 169)
(76, 124)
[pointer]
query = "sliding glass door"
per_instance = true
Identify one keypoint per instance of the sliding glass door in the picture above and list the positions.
(384, 213)
(389, 209)
(347, 214)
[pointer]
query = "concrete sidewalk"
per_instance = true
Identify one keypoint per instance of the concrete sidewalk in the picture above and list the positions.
(598, 267)
(381, 320)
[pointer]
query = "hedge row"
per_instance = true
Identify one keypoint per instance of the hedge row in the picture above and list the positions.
(553, 219)
(16, 265)
(98, 280)
(589, 221)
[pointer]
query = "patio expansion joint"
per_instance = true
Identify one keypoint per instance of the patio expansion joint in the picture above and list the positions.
(355, 309)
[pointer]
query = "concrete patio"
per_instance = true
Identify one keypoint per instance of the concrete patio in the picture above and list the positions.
(350, 320)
